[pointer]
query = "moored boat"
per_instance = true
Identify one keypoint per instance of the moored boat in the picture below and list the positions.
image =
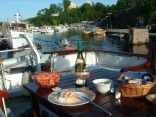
(46, 29)
(64, 43)
(70, 47)
(95, 59)
(17, 70)
(99, 32)
(86, 32)
(13, 30)
(60, 28)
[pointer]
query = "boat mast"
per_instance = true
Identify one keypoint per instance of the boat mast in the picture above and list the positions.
(17, 19)
(9, 27)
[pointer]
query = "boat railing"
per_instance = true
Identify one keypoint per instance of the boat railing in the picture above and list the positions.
(66, 52)
(12, 38)
(31, 46)
(10, 67)
(150, 64)
(2, 73)
(35, 53)
(18, 57)
(12, 50)
(101, 58)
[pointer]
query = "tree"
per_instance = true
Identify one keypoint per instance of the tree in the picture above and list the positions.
(54, 22)
(139, 20)
(66, 4)
(132, 9)
(121, 5)
(53, 8)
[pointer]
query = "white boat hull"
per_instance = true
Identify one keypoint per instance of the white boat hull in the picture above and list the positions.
(47, 31)
(14, 68)
(95, 61)
(15, 43)
(64, 64)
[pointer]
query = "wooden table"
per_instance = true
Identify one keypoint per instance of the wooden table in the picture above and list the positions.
(129, 107)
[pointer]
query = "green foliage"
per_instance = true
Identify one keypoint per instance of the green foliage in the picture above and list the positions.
(54, 22)
(147, 9)
(153, 28)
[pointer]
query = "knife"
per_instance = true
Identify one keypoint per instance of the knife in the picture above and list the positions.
(90, 101)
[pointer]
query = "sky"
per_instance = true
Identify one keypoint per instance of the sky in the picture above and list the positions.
(30, 8)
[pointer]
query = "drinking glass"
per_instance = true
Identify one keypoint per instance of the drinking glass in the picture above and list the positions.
(82, 75)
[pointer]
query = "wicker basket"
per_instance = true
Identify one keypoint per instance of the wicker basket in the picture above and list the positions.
(134, 90)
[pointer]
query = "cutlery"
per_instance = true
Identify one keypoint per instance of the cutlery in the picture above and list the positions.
(90, 101)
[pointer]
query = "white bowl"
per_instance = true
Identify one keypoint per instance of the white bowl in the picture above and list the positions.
(102, 85)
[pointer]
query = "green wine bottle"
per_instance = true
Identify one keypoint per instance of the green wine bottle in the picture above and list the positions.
(80, 62)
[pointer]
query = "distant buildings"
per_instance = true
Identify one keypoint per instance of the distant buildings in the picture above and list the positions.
(89, 2)
(73, 5)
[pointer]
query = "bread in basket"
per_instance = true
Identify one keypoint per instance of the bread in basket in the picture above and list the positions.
(138, 88)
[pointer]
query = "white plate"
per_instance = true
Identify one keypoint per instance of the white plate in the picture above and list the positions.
(53, 97)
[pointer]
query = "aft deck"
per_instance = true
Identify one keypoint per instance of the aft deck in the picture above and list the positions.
(21, 107)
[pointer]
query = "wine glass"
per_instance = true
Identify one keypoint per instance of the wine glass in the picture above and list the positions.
(82, 75)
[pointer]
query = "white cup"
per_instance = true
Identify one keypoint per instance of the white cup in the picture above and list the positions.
(102, 85)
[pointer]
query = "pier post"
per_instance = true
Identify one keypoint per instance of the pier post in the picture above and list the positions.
(138, 36)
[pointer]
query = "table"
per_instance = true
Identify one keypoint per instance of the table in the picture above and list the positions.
(129, 107)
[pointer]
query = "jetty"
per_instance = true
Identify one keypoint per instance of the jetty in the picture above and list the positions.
(131, 36)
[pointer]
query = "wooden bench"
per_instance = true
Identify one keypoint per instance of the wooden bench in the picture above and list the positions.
(149, 65)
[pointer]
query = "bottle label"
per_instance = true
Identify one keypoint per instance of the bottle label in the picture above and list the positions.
(79, 61)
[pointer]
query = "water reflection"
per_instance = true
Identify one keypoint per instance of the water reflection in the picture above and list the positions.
(96, 37)
(99, 37)
(85, 37)
(142, 49)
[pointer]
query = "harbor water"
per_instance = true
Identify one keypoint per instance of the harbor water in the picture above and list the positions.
(49, 42)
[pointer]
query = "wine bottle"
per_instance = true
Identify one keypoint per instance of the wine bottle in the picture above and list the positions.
(80, 62)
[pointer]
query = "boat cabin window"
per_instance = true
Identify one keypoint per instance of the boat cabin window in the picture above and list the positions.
(8, 28)
(12, 28)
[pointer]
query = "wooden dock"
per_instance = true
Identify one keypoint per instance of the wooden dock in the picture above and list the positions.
(122, 31)
(132, 36)
(117, 30)
(121, 36)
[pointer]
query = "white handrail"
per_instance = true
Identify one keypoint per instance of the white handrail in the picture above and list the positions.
(11, 38)
(35, 52)
(10, 50)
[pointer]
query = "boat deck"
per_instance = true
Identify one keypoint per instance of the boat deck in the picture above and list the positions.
(21, 107)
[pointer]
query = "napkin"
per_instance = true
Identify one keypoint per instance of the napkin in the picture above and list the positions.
(137, 78)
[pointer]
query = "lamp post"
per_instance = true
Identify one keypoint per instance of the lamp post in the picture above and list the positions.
(110, 19)
(106, 21)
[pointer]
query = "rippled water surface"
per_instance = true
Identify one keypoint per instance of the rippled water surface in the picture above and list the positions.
(49, 42)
